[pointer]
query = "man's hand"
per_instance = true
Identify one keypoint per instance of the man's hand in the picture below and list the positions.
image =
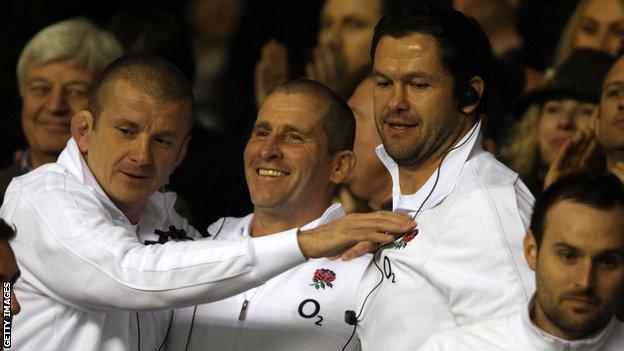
(329, 66)
(271, 70)
(618, 170)
(574, 155)
(333, 238)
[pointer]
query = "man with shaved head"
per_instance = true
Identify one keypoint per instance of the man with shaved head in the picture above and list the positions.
(94, 230)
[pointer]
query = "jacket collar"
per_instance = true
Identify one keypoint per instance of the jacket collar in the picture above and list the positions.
(332, 213)
(529, 335)
(157, 207)
(449, 173)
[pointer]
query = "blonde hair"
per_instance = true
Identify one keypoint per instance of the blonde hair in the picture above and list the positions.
(566, 42)
(522, 150)
(77, 40)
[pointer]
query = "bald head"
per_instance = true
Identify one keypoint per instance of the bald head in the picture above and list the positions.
(151, 75)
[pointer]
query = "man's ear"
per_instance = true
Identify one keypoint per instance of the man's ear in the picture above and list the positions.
(81, 127)
(530, 249)
(343, 163)
(479, 86)
(182, 152)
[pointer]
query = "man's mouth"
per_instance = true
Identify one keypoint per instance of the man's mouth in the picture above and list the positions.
(267, 172)
(135, 175)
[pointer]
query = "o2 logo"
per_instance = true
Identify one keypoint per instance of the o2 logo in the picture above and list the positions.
(310, 308)
(387, 269)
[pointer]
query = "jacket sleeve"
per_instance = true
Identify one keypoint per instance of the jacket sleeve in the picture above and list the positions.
(69, 248)
(478, 260)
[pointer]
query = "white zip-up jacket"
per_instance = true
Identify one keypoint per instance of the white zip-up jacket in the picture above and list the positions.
(516, 332)
(464, 263)
(299, 310)
(84, 265)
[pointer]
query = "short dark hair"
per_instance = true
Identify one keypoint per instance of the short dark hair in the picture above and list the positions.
(465, 50)
(600, 190)
(6, 232)
(150, 74)
(338, 121)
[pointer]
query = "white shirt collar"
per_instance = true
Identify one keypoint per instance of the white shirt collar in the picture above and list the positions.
(332, 213)
(530, 335)
(450, 171)
(71, 158)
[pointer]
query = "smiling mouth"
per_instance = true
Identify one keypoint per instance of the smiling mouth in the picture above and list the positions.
(135, 176)
(267, 172)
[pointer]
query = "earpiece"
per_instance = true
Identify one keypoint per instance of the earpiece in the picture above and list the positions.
(470, 97)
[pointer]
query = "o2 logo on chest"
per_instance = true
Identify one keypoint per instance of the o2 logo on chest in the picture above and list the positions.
(309, 309)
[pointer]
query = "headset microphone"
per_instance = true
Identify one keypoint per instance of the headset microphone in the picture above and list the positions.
(350, 318)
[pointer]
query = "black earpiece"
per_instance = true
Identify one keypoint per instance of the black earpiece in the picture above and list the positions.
(470, 97)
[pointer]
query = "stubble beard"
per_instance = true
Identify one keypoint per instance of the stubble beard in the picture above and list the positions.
(575, 329)
(425, 149)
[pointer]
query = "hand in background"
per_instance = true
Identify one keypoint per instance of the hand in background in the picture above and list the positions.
(575, 154)
(329, 66)
(271, 70)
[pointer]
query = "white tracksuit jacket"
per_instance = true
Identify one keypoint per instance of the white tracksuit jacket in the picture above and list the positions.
(465, 263)
(84, 265)
(516, 332)
(290, 312)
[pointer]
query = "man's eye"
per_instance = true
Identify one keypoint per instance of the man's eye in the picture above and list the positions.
(567, 256)
(124, 131)
(613, 93)
(39, 89)
(77, 93)
(419, 85)
(382, 83)
(261, 133)
(609, 262)
(294, 138)
(164, 142)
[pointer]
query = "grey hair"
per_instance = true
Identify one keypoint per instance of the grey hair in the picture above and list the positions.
(77, 40)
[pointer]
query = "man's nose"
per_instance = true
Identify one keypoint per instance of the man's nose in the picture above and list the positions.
(585, 275)
(398, 99)
(141, 152)
(271, 147)
(56, 102)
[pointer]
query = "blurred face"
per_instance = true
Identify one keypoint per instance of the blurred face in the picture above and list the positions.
(368, 167)
(9, 272)
(286, 162)
(348, 25)
(216, 20)
(579, 268)
(415, 110)
(51, 94)
(610, 121)
(601, 26)
(558, 121)
(135, 145)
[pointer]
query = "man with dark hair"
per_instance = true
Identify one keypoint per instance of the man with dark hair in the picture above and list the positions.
(298, 152)
(9, 272)
(464, 262)
(576, 248)
(84, 221)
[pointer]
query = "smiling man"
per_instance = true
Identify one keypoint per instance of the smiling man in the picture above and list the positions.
(464, 262)
(55, 72)
(298, 152)
(83, 223)
(610, 119)
(576, 248)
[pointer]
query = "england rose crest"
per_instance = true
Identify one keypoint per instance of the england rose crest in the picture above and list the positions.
(406, 239)
(322, 278)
